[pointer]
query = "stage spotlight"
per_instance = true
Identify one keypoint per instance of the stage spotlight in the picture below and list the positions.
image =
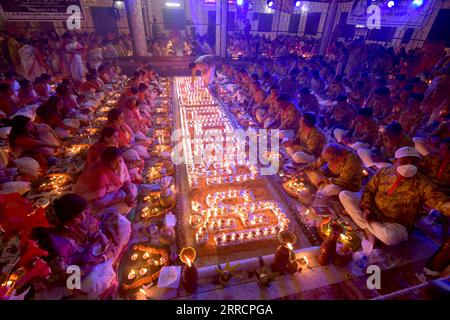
(390, 4)
(417, 3)
(269, 3)
(297, 3)
(239, 2)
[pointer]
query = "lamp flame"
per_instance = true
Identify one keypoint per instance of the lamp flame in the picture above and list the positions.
(344, 237)
(306, 260)
(188, 261)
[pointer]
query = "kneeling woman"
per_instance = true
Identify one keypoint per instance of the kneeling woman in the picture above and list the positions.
(78, 239)
(106, 183)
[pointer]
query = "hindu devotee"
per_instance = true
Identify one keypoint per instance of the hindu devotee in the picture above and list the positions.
(166, 156)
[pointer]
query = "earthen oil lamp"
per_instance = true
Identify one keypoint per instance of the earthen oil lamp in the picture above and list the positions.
(328, 247)
(190, 273)
(284, 251)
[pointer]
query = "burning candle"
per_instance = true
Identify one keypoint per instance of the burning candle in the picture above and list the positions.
(134, 257)
(143, 271)
(190, 273)
(132, 274)
(283, 253)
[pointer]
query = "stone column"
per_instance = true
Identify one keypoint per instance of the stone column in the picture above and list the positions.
(328, 27)
(221, 27)
(136, 26)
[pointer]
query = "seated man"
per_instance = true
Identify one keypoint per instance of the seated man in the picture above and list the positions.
(335, 88)
(340, 114)
(259, 108)
(7, 104)
(436, 165)
(289, 83)
(430, 143)
(392, 200)
(308, 102)
(288, 116)
(381, 104)
(309, 142)
(356, 95)
(362, 133)
(271, 101)
(343, 172)
(410, 117)
(382, 153)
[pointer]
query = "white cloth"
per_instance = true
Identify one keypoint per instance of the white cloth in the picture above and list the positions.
(20, 187)
(131, 155)
(388, 233)
(366, 157)
(77, 69)
(121, 207)
(30, 64)
(339, 134)
(421, 146)
(98, 280)
(328, 190)
(300, 156)
(28, 166)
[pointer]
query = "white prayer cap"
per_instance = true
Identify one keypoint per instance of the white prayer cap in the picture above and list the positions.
(406, 152)
(28, 166)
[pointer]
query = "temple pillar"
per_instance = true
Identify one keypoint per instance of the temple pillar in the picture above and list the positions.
(328, 27)
(221, 27)
(136, 26)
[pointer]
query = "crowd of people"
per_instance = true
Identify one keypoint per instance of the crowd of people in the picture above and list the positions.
(42, 115)
(361, 109)
(67, 56)
(251, 46)
(240, 44)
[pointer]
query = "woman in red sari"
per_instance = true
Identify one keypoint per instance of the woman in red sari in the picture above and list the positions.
(116, 119)
(24, 140)
(108, 137)
(133, 116)
(27, 95)
(106, 183)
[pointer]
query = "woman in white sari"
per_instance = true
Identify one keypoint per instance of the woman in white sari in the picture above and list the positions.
(77, 69)
(32, 62)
